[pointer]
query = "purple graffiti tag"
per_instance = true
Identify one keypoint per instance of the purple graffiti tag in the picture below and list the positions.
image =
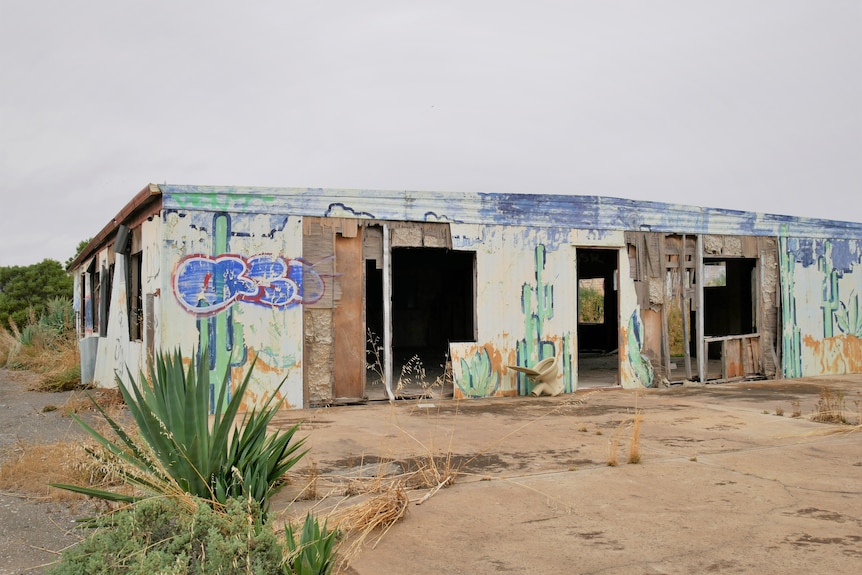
(311, 282)
(274, 287)
(205, 285)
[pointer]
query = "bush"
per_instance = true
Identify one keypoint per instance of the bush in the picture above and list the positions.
(209, 485)
(186, 450)
(26, 290)
(160, 536)
(47, 345)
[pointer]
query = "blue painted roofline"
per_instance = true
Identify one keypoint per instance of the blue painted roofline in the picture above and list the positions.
(537, 210)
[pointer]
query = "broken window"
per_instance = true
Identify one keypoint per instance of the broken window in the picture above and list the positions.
(715, 275)
(95, 293)
(136, 303)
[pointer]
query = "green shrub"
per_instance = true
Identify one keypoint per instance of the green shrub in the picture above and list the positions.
(160, 536)
(186, 450)
(591, 305)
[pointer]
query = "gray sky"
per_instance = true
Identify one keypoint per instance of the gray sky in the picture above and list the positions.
(743, 104)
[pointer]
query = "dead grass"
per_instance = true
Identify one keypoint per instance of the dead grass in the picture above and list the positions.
(634, 444)
(797, 409)
(54, 358)
(616, 438)
(376, 513)
(830, 407)
(29, 468)
(81, 401)
(614, 445)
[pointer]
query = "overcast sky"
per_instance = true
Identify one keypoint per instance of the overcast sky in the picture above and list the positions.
(745, 104)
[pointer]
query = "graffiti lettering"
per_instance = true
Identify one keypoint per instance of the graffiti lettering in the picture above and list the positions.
(205, 285)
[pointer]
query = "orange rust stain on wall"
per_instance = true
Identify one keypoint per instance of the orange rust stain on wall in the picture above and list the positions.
(836, 355)
(252, 399)
(499, 366)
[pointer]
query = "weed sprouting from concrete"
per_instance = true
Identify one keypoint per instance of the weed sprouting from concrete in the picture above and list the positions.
(797, 409)
(830, 407)
(634, 446)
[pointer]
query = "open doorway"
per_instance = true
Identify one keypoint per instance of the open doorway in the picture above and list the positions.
(433, 303)
(598, 318)
(730, 327)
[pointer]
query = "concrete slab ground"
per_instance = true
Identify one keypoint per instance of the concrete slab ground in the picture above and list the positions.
(728, 480)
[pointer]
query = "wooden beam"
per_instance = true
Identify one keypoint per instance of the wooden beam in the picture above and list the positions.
(387, 313)
(686, 336)
(701, 345)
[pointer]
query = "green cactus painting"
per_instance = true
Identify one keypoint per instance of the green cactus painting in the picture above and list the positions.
(537, 305)
(848, 318)
(220, 334)
(791, 338)
(478, 377)
(641, 366)
(831, 303)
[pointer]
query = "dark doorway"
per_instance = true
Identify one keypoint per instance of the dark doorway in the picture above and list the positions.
(433, 303)
(598, 318)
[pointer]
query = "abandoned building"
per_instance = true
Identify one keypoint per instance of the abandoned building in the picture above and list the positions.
(337, 294)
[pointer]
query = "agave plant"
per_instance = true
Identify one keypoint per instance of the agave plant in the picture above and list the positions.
(848, 317)
(312, 554)
(186, 449)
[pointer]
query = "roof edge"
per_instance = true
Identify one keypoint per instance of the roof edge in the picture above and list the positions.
(142, 200)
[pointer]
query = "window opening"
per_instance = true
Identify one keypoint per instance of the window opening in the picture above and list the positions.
(136, 303)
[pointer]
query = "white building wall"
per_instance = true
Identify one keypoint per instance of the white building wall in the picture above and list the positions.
(234, 283)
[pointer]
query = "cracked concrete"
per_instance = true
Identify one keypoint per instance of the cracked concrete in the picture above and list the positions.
(725, 485)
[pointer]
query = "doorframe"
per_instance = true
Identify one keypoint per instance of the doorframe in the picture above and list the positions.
(617, 289)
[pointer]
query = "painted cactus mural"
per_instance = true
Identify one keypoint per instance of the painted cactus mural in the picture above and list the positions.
(211, 287)
(640, 366)
(848, 318)
(478, 378)
(828, 342)
(537, 305)
(791, 340)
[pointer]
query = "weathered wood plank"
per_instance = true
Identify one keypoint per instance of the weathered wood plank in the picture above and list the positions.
(349, 319)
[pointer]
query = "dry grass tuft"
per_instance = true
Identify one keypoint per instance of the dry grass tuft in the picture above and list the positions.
(797, 409)
(377, 513)
(614, 445)
(29, 468)
(830, 407)
(54, 357)
(433, 471)
(312, 479)
(111, 400)
(779, 411)
(634, 446)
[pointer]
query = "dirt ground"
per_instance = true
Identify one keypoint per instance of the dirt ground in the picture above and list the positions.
(728, 480)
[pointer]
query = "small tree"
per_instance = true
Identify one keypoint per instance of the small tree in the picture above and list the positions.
(26, 288)
(81, 245)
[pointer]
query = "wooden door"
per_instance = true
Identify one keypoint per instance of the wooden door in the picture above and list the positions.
(349, 319)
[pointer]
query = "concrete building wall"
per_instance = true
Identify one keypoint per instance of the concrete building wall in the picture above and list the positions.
(251, 275)
(821, 280)
(233, 284)
(527, 308)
